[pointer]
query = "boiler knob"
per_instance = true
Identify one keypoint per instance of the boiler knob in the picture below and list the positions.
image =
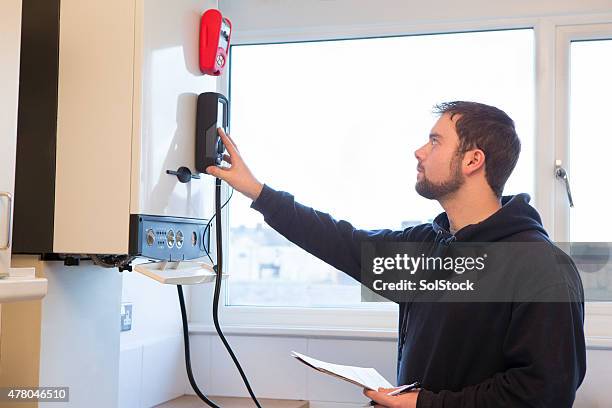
(150, 237)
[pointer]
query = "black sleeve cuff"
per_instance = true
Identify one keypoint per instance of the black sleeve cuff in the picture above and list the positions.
(425, 399)
(265, 199)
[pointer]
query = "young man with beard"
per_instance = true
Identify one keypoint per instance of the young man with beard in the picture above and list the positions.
(504, 354)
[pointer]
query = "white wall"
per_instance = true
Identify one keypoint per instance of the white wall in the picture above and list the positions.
(300, 15)
(82, 346)
(595, 392)
(152, 367)
(79, 341)
(266, 358)
(274, 374)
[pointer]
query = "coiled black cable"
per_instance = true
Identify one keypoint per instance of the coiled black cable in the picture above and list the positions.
(211, 220)
(219, 272)
(192, 381)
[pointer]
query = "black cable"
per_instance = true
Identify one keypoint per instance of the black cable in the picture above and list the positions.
(187, 351)
(219, 270)
(210, 221)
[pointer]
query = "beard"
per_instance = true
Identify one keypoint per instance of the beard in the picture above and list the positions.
(437, 191)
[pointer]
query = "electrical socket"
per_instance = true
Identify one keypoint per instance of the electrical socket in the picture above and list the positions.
(126, 317)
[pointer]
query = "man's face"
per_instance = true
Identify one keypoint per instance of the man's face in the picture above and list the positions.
(439, 170)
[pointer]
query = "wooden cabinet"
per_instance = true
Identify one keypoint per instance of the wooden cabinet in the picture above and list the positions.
(15, 283)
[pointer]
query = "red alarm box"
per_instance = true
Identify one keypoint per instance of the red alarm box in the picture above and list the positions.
(215, 34)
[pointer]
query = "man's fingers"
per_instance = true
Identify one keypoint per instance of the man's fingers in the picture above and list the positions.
(380, 398)
(217, 172)
(229, 144)
(231, 140)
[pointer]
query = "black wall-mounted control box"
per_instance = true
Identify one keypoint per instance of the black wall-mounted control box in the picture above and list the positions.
(212, 113)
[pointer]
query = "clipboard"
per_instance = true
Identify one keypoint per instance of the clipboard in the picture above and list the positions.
(360, 376)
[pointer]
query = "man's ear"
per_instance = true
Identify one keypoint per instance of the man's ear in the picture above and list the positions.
(474, 160)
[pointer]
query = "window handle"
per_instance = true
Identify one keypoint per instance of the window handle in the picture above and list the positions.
(561, 174)
(9, 207)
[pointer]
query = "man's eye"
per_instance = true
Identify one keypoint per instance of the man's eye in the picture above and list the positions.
(434, 140)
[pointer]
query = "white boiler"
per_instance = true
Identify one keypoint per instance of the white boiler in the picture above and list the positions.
(107, 112)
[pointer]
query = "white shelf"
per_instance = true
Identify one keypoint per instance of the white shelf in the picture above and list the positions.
(179, 273)
(22, 284)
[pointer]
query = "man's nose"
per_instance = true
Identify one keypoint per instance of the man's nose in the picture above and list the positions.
(419, 154)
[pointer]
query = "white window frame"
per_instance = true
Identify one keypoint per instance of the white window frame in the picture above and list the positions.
(551, 34)
(598, 325)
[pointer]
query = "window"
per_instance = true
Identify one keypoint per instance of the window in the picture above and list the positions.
(336, 123)
(582, 83)
(589, 147)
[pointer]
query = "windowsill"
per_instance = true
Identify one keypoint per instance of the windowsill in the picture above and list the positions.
(314, 332)
(599, 343)
(593, 342)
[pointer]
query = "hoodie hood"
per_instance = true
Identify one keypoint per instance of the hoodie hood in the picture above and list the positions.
(515, 216)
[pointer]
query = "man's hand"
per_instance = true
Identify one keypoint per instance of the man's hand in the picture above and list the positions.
(406, 400)
(238, 174)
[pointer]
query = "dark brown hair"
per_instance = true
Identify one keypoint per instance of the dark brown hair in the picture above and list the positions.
(489, 129)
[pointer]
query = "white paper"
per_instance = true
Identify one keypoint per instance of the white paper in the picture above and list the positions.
(365, 377)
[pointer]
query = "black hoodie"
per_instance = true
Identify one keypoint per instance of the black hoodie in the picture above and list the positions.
(527, 354)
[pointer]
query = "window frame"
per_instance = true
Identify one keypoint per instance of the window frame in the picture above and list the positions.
(356, 323)
(598, 323)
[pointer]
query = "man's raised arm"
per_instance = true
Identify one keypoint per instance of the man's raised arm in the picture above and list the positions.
(336, 242)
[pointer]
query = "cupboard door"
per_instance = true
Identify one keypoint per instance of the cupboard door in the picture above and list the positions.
(10, 40)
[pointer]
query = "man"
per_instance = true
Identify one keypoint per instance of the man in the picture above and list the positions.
(503, 354)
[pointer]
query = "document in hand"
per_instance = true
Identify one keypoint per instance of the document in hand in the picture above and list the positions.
(363, 377)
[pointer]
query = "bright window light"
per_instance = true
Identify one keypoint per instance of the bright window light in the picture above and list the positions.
(590, 146)
(336, 123)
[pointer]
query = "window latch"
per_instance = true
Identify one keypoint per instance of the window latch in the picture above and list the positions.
(561, 174)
